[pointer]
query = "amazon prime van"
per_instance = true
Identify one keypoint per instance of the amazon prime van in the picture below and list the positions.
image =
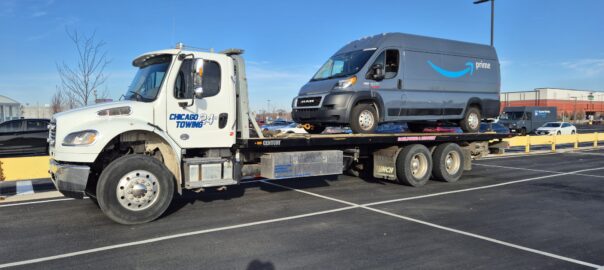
(398, 77)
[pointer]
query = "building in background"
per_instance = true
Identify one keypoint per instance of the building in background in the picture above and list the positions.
(9, 109)
(571, 104)
(37, 111)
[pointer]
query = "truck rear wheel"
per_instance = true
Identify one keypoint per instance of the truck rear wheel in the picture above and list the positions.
(471, 120)
(135, 189)
(413, 165)
(363, 118)
(448, 162)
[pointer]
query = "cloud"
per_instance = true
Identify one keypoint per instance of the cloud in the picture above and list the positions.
(60, 25)
(37, 14)
(589, 67)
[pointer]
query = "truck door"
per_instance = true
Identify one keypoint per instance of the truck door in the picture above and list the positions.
(201, 105)
(389, 88)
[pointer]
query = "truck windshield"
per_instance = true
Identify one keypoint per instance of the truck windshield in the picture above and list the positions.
(148, 79)
(512, 115)
(342, 65)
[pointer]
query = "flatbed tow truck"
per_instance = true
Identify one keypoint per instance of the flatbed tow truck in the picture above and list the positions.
(185, 123)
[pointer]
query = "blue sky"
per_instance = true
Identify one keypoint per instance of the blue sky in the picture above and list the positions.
(541, 43)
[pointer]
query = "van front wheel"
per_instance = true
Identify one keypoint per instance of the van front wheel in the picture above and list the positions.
(471, 120)
(363, 119)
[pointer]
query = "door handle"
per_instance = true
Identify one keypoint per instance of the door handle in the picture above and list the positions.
(222, 120)
(399, 84)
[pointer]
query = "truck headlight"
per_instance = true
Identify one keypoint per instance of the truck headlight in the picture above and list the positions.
(86, 137)
(343, 84)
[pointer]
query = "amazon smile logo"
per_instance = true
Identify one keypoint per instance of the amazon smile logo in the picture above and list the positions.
(460, 73)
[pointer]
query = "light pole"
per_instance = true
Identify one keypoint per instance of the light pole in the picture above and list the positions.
(492, 15)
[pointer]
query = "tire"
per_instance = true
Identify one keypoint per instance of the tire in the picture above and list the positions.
(363, 119)
(410, 173)
(523, 132)
(448, 161)
(314, 129)
(572, 132)
(126, 181)
(559, 133)
(471, 120)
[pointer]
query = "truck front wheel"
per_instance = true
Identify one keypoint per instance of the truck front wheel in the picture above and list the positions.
(135, 189)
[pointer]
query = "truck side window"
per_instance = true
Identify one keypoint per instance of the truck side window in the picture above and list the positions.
(211, 78)
(184, 84)
(181, 91)
(389, 59)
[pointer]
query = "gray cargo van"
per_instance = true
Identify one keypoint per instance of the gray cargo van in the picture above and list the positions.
(398, 77)
(526, 119)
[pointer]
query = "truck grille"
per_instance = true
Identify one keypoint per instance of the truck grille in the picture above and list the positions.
(308, 101)
(52, 132)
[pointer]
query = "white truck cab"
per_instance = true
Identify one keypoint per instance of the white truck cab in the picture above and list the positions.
(184, 123)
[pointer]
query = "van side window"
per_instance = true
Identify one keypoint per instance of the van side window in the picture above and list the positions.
(392, 60)
(184, 84)
(389, 60)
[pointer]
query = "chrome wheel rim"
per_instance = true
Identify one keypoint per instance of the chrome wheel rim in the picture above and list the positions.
(419, 165)
(473, 120)
(452, 162)
(137, 190)
(366, 120)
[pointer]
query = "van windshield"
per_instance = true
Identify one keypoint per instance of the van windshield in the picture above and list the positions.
(342, 65)
(512, 115)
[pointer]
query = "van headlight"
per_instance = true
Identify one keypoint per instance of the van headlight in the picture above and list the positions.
(86, 137)
(343, 84)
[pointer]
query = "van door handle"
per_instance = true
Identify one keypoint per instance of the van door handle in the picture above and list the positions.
(399, 84)
(222, 120)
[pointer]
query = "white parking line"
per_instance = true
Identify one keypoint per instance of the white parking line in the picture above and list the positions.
(24, 188)
(492, 240)
(587, 153)
(479, 188)
(538, 170)
(168, 237)
(37, 202)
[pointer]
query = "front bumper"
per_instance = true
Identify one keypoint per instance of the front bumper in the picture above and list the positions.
(69, 179)
(332, 109)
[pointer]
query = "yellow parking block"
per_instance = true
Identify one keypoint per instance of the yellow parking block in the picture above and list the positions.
(22, 168)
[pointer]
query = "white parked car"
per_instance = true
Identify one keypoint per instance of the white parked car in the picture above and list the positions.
(556, 128)
(292, 128)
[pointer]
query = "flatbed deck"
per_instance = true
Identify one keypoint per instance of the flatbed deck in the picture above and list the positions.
(338, 141)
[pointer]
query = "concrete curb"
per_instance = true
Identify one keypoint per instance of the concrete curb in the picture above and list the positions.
(25, 187)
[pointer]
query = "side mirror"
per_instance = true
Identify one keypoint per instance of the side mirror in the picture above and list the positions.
(198, 92)
(377, 72)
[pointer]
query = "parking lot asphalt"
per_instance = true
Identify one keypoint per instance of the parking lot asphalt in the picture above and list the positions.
(525, 212)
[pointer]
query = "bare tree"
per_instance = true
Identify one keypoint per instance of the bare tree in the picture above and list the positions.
(58, 101)
(80, 83)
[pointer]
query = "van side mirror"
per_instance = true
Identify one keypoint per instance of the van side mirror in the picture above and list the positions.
(376, 72)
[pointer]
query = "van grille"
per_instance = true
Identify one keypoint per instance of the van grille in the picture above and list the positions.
(308, 101)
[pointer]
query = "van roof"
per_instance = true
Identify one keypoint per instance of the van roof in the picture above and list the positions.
(422, 43)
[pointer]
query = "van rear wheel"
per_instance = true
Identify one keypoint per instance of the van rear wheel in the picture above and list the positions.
(363, 118)
(471, 120)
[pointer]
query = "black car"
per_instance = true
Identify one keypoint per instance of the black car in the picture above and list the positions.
(24, 136)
